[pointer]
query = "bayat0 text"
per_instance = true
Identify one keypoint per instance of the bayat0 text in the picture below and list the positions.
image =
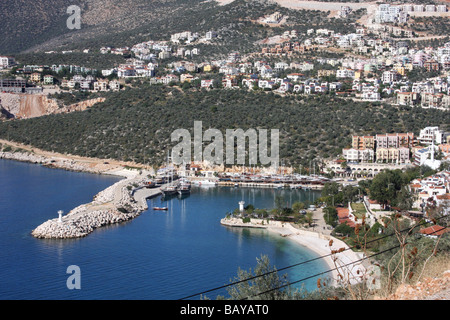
(243, 309)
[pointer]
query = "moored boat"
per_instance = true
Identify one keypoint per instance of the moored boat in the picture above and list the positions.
(160, 208)
(184, 189)
(169, 190)
(206, 183)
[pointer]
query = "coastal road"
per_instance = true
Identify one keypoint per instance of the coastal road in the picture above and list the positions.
(319, 222)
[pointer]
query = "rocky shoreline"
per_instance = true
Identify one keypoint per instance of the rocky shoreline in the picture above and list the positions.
(53, 162)
(81, 226)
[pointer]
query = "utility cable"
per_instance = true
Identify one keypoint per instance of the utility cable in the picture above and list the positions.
(336, 268)
(303, 262)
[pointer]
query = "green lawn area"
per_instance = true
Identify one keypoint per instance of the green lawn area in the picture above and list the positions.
(359, 210)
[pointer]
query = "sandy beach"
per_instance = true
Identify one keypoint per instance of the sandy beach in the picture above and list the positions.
(317, 242)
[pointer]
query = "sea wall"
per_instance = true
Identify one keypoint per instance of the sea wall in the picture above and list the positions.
(81, 225)
(113, 205)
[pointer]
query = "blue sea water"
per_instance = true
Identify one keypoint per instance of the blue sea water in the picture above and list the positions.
(160, 255)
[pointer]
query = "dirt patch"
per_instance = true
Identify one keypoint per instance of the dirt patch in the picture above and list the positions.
(437, 288)
(24, 106)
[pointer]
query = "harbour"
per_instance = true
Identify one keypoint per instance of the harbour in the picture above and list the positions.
(156, 255)
(127, 198)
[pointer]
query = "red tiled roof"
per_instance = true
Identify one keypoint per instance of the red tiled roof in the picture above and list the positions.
(343, 216)
(434, 230)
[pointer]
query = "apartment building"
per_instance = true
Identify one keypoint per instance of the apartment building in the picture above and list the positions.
(394, 140)
(434, 100)
(363, 142)
(6, 62)
(407, 98)
(429, 134)
(393, 155)
(358, 155)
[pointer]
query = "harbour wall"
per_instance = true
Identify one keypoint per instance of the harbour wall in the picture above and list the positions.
(122, 201)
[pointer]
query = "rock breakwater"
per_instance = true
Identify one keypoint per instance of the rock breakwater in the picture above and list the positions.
(113, 205)
(80, 226)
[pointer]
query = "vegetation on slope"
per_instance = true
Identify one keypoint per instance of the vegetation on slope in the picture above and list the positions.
(136, 124)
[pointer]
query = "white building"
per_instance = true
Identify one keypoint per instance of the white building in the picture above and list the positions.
(266, 84)
(210, 35)
(389, 76)
(429, 135)
(6, 62)
(345, 73)
(358, 155)
(114, 85)
(371, 96)
(425, 156)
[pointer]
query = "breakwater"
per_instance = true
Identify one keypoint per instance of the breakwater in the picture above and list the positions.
(115, 204)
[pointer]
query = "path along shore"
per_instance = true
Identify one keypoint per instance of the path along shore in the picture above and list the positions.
(340, 263)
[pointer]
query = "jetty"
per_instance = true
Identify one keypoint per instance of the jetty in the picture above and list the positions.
(123, 201)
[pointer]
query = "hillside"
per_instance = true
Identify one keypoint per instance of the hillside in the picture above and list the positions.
(41, 24)
(124, 23)
(136, 124)
(26, 23)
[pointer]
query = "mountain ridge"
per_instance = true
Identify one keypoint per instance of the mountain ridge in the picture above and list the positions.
(40, 25)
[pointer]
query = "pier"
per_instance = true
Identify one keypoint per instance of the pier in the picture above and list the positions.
(270, 185)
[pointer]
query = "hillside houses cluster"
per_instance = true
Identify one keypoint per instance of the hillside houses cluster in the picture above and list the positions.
(379, 71)
(361, 72)
(432, 192)
(90, 83)
(400, 148)
(83, 79)
(388, 13)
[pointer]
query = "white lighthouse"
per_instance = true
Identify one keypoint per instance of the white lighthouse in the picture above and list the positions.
(60, 213)
(241, 206)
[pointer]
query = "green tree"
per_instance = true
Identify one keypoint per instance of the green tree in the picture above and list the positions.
(404, 199)
(386, 185)
(330, 216)
(297, 206)
(265, 285)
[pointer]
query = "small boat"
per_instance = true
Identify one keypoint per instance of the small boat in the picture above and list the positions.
(184, 189)
(169, 190)
(160, 208)
(206, 183)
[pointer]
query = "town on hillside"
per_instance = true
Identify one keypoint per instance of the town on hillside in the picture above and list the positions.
(379, 176)
(379, 62)
(382, 62)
